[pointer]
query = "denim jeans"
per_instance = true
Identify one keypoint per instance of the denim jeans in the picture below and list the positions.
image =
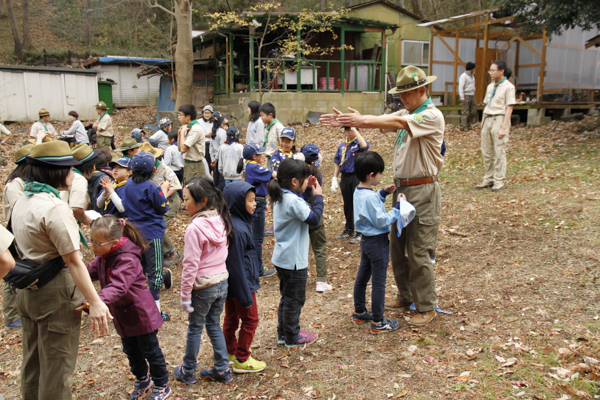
(208, 305)
(218, 179)
(258, 228)
(292, 287)
(374, 259)
(348, 184)
(142, 348)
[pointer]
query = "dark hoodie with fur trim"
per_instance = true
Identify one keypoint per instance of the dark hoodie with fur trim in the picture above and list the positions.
(241, 260)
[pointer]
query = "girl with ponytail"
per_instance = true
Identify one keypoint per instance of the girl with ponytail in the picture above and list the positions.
(118, 246)
(204, 278)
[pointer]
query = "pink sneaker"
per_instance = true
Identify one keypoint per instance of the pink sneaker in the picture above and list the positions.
(270, 231)
(303, 340)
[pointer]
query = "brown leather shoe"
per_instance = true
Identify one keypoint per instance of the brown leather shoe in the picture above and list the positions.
(423, 318)
(397, 305)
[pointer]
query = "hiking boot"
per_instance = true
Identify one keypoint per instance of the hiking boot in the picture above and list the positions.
(174, 258)
(270, 232)
(422, 318)
(345, 235)
(16, 325)
(165, 316)
(281, 338)
(302, 339)
(264, 272)
(140, 387)
(360, 318)
(189, 378)
(248, 366)
(497, 188)
(220, 376)
(384, 326)
(356, 238)
(161, 392)
(323, 286)
(397, 305)
(484, 186)
(167, 278)
(231, 358)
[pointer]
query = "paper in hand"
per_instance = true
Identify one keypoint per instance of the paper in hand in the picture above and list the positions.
(93, 215)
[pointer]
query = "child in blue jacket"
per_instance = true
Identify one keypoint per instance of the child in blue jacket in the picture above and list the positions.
(242, 266)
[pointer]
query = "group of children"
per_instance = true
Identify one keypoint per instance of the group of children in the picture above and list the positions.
(222, 259)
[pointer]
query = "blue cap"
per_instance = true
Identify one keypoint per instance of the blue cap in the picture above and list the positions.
(310, 152)
(137, 134)
(218, 117)
(233, 134)
(124, 162)
(252, 149)
(288, 132)
(143, 161)
(153, 142)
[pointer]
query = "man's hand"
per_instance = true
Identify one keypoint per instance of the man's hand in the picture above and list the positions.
(502, 133)
(350, 119)
(390, 188)
(213, 163)
(95, 125)
(329, 120)
(165, 186)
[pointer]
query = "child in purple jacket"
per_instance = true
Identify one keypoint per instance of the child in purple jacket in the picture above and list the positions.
(118, 246)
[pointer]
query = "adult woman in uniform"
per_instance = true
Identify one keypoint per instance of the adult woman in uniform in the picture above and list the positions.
(44, 228)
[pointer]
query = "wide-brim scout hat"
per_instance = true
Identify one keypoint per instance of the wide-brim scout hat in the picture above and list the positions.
(22, 153)
(124, 162)
(410, 78)
(252, 149)
(143, 161)
(148, 148)
(43, 112)
(84, 153)
(128, 143)
(56, 153)
(100, 105)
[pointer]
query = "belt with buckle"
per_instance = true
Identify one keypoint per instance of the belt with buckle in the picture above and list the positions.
(420, 181)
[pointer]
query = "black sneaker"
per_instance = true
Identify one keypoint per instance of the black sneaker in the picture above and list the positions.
(360, 318)
(165, 316)
(345, 235)
(356, 238)
(140, 387)
(220, 376)
(167, 278)
(384, 326)
(189, 378)
(264, 272)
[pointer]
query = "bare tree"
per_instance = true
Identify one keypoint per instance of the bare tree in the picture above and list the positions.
(417, 6)
(88, 24)
(2, 8)
(23, 45)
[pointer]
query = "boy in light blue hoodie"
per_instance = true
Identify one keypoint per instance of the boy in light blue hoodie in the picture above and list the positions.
(373, 222)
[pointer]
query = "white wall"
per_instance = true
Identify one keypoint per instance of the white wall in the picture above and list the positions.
(24, 93)
(129, 90)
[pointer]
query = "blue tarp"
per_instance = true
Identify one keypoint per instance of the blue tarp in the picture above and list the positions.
(130, 60)
(164, 99)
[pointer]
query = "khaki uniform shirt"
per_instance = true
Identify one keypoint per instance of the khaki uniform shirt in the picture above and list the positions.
(78, 195)
(504, 96)
(44, 227)
(105, 127)
(419, 154)
(12, 191)
(194, 139)
(38, 126)
(6, 239)
(165, 173)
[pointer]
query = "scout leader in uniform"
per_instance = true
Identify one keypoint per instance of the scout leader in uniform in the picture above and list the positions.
(417, 160)
(103, 127)
(43, 124)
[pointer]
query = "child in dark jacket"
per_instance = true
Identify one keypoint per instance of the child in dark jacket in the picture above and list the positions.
(242, 266)
(118, 246)
(95, 181)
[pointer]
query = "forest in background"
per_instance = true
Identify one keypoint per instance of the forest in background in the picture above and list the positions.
(132, 28)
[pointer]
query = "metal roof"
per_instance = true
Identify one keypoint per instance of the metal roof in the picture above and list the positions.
(47, 69)
(458, 17)
(130, 60)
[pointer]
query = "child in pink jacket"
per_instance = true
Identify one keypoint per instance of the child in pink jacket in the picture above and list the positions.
(204, 278)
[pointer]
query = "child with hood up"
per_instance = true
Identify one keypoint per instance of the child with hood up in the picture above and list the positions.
(242, 265)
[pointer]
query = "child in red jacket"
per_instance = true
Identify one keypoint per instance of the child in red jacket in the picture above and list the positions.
(118, 246)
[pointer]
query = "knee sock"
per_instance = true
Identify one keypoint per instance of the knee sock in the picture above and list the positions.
(157, 304)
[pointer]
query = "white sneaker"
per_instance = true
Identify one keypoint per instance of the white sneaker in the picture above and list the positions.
(323, 286)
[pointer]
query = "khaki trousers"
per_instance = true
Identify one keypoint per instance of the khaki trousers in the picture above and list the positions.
(318, 242)
(50, 338)
(468, 115)
(493, 150)
(193, 170)
(174, 205)
(411, 252)
(9, 305)
(103, 142)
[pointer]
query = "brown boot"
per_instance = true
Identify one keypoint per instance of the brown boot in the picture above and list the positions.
(397, 305)
(423, 318)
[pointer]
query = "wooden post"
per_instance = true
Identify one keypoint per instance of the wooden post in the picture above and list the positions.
(299, 61)
(516, 69)
(455, 68)
(540, 91)
(343, 60)
(431, 51)
(227, 65)
(383, 64)
(251, 83)
(486, 33)
(231, 75)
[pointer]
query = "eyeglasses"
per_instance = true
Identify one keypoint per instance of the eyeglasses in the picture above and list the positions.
(96, 243)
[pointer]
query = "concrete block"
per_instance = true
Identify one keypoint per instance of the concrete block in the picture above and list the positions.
(452, 119)
(538, 121)
(515, 120)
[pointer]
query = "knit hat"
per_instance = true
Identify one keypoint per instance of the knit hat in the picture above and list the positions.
(233, 135)
(128, 143)
(148, 148)
(84, 153)
(252, 149)
(470, 65)
(143, 161)
(124, 162)
(207, 107)
(56, 153)
(43, 112)
(288, 132)
(138, 135)
(22, 153)
(101, 105)
(164, 122)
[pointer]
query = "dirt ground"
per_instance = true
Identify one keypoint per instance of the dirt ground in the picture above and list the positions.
(518, 269)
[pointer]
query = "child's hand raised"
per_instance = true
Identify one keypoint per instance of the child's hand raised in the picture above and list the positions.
(317, 190)
(311, 181)
(390, 188)
(107, 185)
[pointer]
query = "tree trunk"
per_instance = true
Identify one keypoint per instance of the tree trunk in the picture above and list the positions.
(88, 25)
(26, 37)
(3, 8)
(400, 3)
(19, 48)
(184, 54)
(323, 5)
(417, 7)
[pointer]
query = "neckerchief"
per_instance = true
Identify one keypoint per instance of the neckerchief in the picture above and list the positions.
(268, 129)
(77, 171)
(495, 86)
(107, 201)
(348, 143)
(422, 107)
(102, 116)
(251, 162)
(32, 188)
(289, 154)
(43, 123)
(127, 156)
(194, 122)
